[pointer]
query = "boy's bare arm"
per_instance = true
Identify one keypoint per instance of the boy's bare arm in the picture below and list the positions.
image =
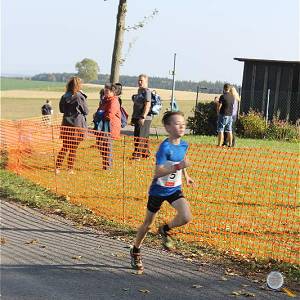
(161, 170)
(188, 179)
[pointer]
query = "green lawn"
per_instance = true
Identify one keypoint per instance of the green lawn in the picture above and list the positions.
(19, 84)
(16, 108)
(248, 143)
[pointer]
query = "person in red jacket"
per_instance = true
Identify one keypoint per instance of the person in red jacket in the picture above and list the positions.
(110, 125)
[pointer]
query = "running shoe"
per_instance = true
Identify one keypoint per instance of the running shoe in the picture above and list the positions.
(166, 239)
(136, 261)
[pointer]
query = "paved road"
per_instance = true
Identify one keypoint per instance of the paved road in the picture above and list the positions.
(128, 130)
(49, 258)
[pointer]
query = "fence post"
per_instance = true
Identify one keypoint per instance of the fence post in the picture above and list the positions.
(267, 110)
(19, 147)
(123, 174)
(54, 161)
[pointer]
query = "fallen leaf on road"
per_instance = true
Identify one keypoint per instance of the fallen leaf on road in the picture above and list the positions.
(243, 293)
(197, 286)
(248, 294)
(119, 254)
(77, 257)
(125, 289)
(188, 259)
(236, 293)
(289, 292)
(34, 241)
(223, 278)
(42, 246)
(58, 211)
(137, 272)
(3, 241)
(144, 291)
(230, 273)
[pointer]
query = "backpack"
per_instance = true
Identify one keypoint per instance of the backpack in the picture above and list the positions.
(124, 117)
(156, 103)
(98, 120)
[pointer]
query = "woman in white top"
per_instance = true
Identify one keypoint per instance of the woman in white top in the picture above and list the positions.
(236, 96)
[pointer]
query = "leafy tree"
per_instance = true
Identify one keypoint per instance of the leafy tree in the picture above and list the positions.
(87, 69)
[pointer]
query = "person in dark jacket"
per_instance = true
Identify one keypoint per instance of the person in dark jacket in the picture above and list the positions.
(74, 107)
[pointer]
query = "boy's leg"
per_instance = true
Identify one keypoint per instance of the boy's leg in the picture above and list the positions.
(136, 260)
(182, 217)
(144, 228)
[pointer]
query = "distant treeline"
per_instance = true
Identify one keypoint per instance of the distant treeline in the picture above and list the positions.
(154, 82)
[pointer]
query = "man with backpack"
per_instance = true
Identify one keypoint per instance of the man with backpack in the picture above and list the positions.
(141, 118)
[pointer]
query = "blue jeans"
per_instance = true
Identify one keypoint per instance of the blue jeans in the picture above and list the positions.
(224, 123)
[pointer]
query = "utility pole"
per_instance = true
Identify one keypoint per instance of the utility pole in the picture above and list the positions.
(173, 85)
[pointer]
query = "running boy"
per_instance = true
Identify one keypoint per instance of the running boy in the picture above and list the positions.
(171, 162)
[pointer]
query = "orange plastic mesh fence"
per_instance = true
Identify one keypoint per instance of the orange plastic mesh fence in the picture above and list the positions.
(246, 201)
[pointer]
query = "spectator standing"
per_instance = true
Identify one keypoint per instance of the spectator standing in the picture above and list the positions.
(141, 118)
(47, 111)
(74, 107)
(225, 108)
(109, 124)
(233, 92)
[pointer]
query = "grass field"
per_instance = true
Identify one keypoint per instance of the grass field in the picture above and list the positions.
(21, 99)
(244, 200)
(19, 84)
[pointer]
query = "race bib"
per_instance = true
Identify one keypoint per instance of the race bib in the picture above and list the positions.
(171, 180)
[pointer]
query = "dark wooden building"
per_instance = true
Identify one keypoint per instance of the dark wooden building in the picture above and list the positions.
(276, 78)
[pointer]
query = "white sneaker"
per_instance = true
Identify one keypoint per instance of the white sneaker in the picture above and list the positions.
(71, 171)
(57, 171)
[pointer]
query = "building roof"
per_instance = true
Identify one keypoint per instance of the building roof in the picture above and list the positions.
(267, 60)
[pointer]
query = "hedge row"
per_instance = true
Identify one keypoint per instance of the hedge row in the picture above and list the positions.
(250, 125)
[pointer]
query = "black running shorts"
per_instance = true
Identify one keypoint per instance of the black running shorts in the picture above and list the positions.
(155, 202)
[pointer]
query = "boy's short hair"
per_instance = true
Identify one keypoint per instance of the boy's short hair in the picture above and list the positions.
(168, 115)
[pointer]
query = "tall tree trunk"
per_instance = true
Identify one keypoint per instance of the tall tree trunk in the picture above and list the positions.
(117, 53)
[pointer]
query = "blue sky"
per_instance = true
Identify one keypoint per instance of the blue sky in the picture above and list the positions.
(52, 35)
